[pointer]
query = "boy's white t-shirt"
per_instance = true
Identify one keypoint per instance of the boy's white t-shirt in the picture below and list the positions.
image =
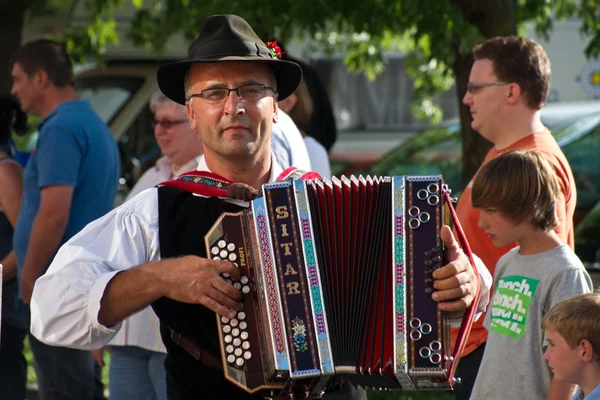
(525, 288)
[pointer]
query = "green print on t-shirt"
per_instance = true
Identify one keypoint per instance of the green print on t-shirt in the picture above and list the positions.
(511, 305)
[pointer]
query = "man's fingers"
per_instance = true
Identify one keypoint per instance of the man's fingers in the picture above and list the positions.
(226, 267)
(98, 355)
(453, 272)
(209, 302)
(449, 294)
(456, 305)
(226, 293)
(448, 238)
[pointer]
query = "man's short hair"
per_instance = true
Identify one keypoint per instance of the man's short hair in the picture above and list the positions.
(158, 99)
(49, 56)
(519, 60)
(575, 319)
(519, 184)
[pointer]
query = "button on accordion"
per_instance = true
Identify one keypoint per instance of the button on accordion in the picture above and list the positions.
(337, 280)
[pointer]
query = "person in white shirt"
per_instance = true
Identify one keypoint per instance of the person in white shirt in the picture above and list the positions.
(299, 106)
(137, 352)
(288, 146)
(151, 249)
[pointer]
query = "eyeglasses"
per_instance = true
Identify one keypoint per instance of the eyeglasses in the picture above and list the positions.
(245, 92)
(168, 124)
(472, 87)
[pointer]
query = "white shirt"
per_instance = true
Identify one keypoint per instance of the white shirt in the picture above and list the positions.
(142, 329)
(288, 144)
(319, 159)
(66, 299)
(162, 171)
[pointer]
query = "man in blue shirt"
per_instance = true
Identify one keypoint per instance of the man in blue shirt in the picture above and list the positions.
(70, 180)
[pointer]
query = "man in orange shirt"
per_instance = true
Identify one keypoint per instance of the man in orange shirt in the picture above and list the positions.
(508, 86)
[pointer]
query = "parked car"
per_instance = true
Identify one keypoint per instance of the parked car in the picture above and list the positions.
(438, 151)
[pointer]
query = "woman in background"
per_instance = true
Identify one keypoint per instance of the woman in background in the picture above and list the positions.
(13, 367)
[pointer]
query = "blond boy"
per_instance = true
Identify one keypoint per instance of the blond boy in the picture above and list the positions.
(572, 329)
(516, 196)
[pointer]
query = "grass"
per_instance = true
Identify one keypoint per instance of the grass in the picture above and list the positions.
(371, 394)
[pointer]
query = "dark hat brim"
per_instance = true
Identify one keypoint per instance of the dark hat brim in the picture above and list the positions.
(171, 76)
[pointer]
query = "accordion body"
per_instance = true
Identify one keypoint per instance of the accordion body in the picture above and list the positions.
(337, 281)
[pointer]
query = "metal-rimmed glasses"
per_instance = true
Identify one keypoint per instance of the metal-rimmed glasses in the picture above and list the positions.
(473, 86)
(251, 92)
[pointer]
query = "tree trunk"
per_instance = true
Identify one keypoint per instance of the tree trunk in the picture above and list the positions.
(492, 18)
(12, 17)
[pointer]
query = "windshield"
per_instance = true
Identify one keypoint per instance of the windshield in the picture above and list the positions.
(108, 95)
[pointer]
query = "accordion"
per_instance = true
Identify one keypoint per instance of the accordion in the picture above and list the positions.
(337, 283)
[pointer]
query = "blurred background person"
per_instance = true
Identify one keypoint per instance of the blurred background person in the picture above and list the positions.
(322, 122)
(70, 180)
(14, 326)
(137, 352)
(299, 107)
(288, 145)
(179, 144)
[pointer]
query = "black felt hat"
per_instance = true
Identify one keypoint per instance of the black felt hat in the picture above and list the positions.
(227, 38)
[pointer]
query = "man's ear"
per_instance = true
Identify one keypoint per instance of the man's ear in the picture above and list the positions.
(191, 114)
(586, 351)
(514, 93)
(275, 109)
(40, 77)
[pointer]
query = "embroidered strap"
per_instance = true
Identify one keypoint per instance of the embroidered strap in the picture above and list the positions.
(208, 184)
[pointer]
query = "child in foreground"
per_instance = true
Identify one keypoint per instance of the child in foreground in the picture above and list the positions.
(516, 196)
(572, 330)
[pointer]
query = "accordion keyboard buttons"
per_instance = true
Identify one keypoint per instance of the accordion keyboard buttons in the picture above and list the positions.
(238, 346)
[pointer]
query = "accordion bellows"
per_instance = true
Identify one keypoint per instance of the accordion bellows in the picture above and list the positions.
(337, 281)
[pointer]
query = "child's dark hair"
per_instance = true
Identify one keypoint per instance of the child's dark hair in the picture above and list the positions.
(518, 184)
(12, 119)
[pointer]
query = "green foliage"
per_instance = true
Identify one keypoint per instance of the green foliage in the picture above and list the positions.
(429, 32)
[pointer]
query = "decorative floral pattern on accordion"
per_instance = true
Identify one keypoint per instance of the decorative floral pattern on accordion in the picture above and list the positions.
(299, 328)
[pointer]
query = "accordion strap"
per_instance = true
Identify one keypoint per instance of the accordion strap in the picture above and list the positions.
(208, 184)
(468, 318)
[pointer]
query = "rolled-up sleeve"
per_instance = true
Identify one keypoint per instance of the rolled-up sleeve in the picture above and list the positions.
(66, 299)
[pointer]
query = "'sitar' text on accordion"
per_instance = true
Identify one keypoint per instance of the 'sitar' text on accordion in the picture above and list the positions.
(292, 287)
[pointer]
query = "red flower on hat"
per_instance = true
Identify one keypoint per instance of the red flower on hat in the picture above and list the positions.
(274, 49)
